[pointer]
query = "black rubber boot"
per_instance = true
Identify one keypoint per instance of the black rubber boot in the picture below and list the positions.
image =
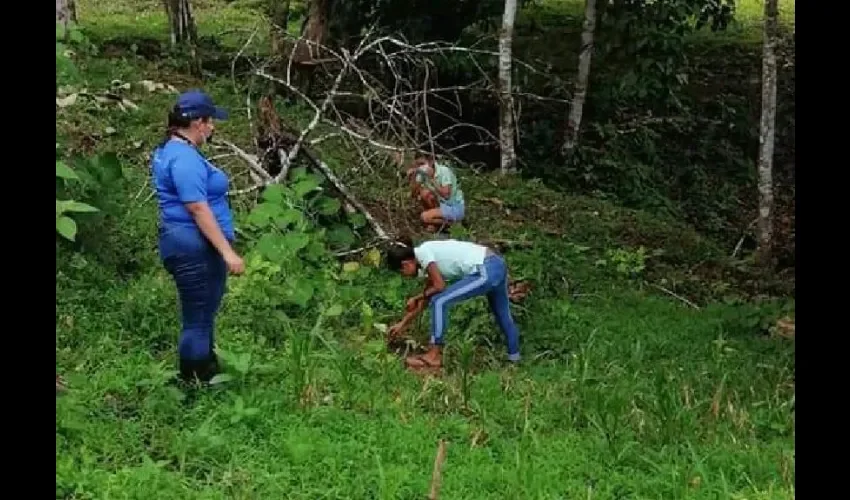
(208, 368)
(192, 371)
(188, 370)
(203, 370)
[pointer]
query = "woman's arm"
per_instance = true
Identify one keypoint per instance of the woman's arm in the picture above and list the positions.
(189, 175)
(205, 220)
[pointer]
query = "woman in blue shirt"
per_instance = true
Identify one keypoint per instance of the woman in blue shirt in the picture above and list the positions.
(196, 231)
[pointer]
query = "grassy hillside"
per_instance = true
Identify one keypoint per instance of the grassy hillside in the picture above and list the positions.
(652, 367)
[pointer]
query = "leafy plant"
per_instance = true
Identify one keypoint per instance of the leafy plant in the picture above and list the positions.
(630, 263)
(65, 225)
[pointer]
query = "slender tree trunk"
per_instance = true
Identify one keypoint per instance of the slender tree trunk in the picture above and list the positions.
(767, 130)
(580, 92)
(506, 104)
(182, 22)
(278, 12)
(316, 25)
(66, 10)
(66, 13)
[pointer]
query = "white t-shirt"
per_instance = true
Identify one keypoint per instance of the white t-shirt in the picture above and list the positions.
(455, 259)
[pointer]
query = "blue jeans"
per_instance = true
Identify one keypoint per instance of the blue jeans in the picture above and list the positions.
(200, 274)
(490, 279)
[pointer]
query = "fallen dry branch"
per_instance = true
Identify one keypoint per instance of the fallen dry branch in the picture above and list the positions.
(436, 475)
(362, 249)
(740, 243)
(396, 85)
(674, 295)
(252, 161)
(395, 82)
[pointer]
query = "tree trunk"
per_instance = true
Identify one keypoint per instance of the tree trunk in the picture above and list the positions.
(66, 10)
(580, 93)
(767, 130)
(66, 13)
(506, 104)
(316, 25)
(278, 12)
(182, 22)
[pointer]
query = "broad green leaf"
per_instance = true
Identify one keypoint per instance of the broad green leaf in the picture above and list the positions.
(264, 213)
(221, 378)
(66, 227)
(357, 220)
(288, 217)
(327, 205)
(63, 206)
(269, 246)
(314, 250)
(304, 186)
(258, 219)
(273, 193)
(64, 171)
(300, 292)
(77, 206)
(294, 242)
(340, 236)
(298, 173)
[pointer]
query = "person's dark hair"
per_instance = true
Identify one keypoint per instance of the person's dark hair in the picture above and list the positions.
(398, 252)
(176, 121)
(423, 158)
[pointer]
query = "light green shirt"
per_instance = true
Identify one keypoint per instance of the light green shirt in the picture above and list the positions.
(455, 259)
(443, 176)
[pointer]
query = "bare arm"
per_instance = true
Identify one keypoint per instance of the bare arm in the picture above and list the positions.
(410, 315)
(205, 220)
(434, 285)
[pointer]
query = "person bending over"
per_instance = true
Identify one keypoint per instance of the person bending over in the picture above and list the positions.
(472, 270)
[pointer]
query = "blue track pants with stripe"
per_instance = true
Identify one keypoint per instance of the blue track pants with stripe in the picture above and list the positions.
(490, 279)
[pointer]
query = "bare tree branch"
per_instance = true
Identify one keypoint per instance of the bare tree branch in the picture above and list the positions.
(384, 96)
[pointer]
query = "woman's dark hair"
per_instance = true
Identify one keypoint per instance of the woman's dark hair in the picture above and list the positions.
(398, 252)
(176, 121)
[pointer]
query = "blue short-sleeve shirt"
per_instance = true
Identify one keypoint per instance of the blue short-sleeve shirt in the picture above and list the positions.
(182, 175)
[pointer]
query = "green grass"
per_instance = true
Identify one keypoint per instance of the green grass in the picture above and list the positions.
(624, 392)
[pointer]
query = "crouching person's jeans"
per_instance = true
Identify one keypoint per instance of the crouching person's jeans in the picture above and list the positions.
(200, 274)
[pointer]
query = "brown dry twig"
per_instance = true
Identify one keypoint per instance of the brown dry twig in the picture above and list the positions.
(436, 475)
(674, 295)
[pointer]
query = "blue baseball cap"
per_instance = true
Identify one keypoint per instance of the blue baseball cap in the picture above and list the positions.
(195, 103)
